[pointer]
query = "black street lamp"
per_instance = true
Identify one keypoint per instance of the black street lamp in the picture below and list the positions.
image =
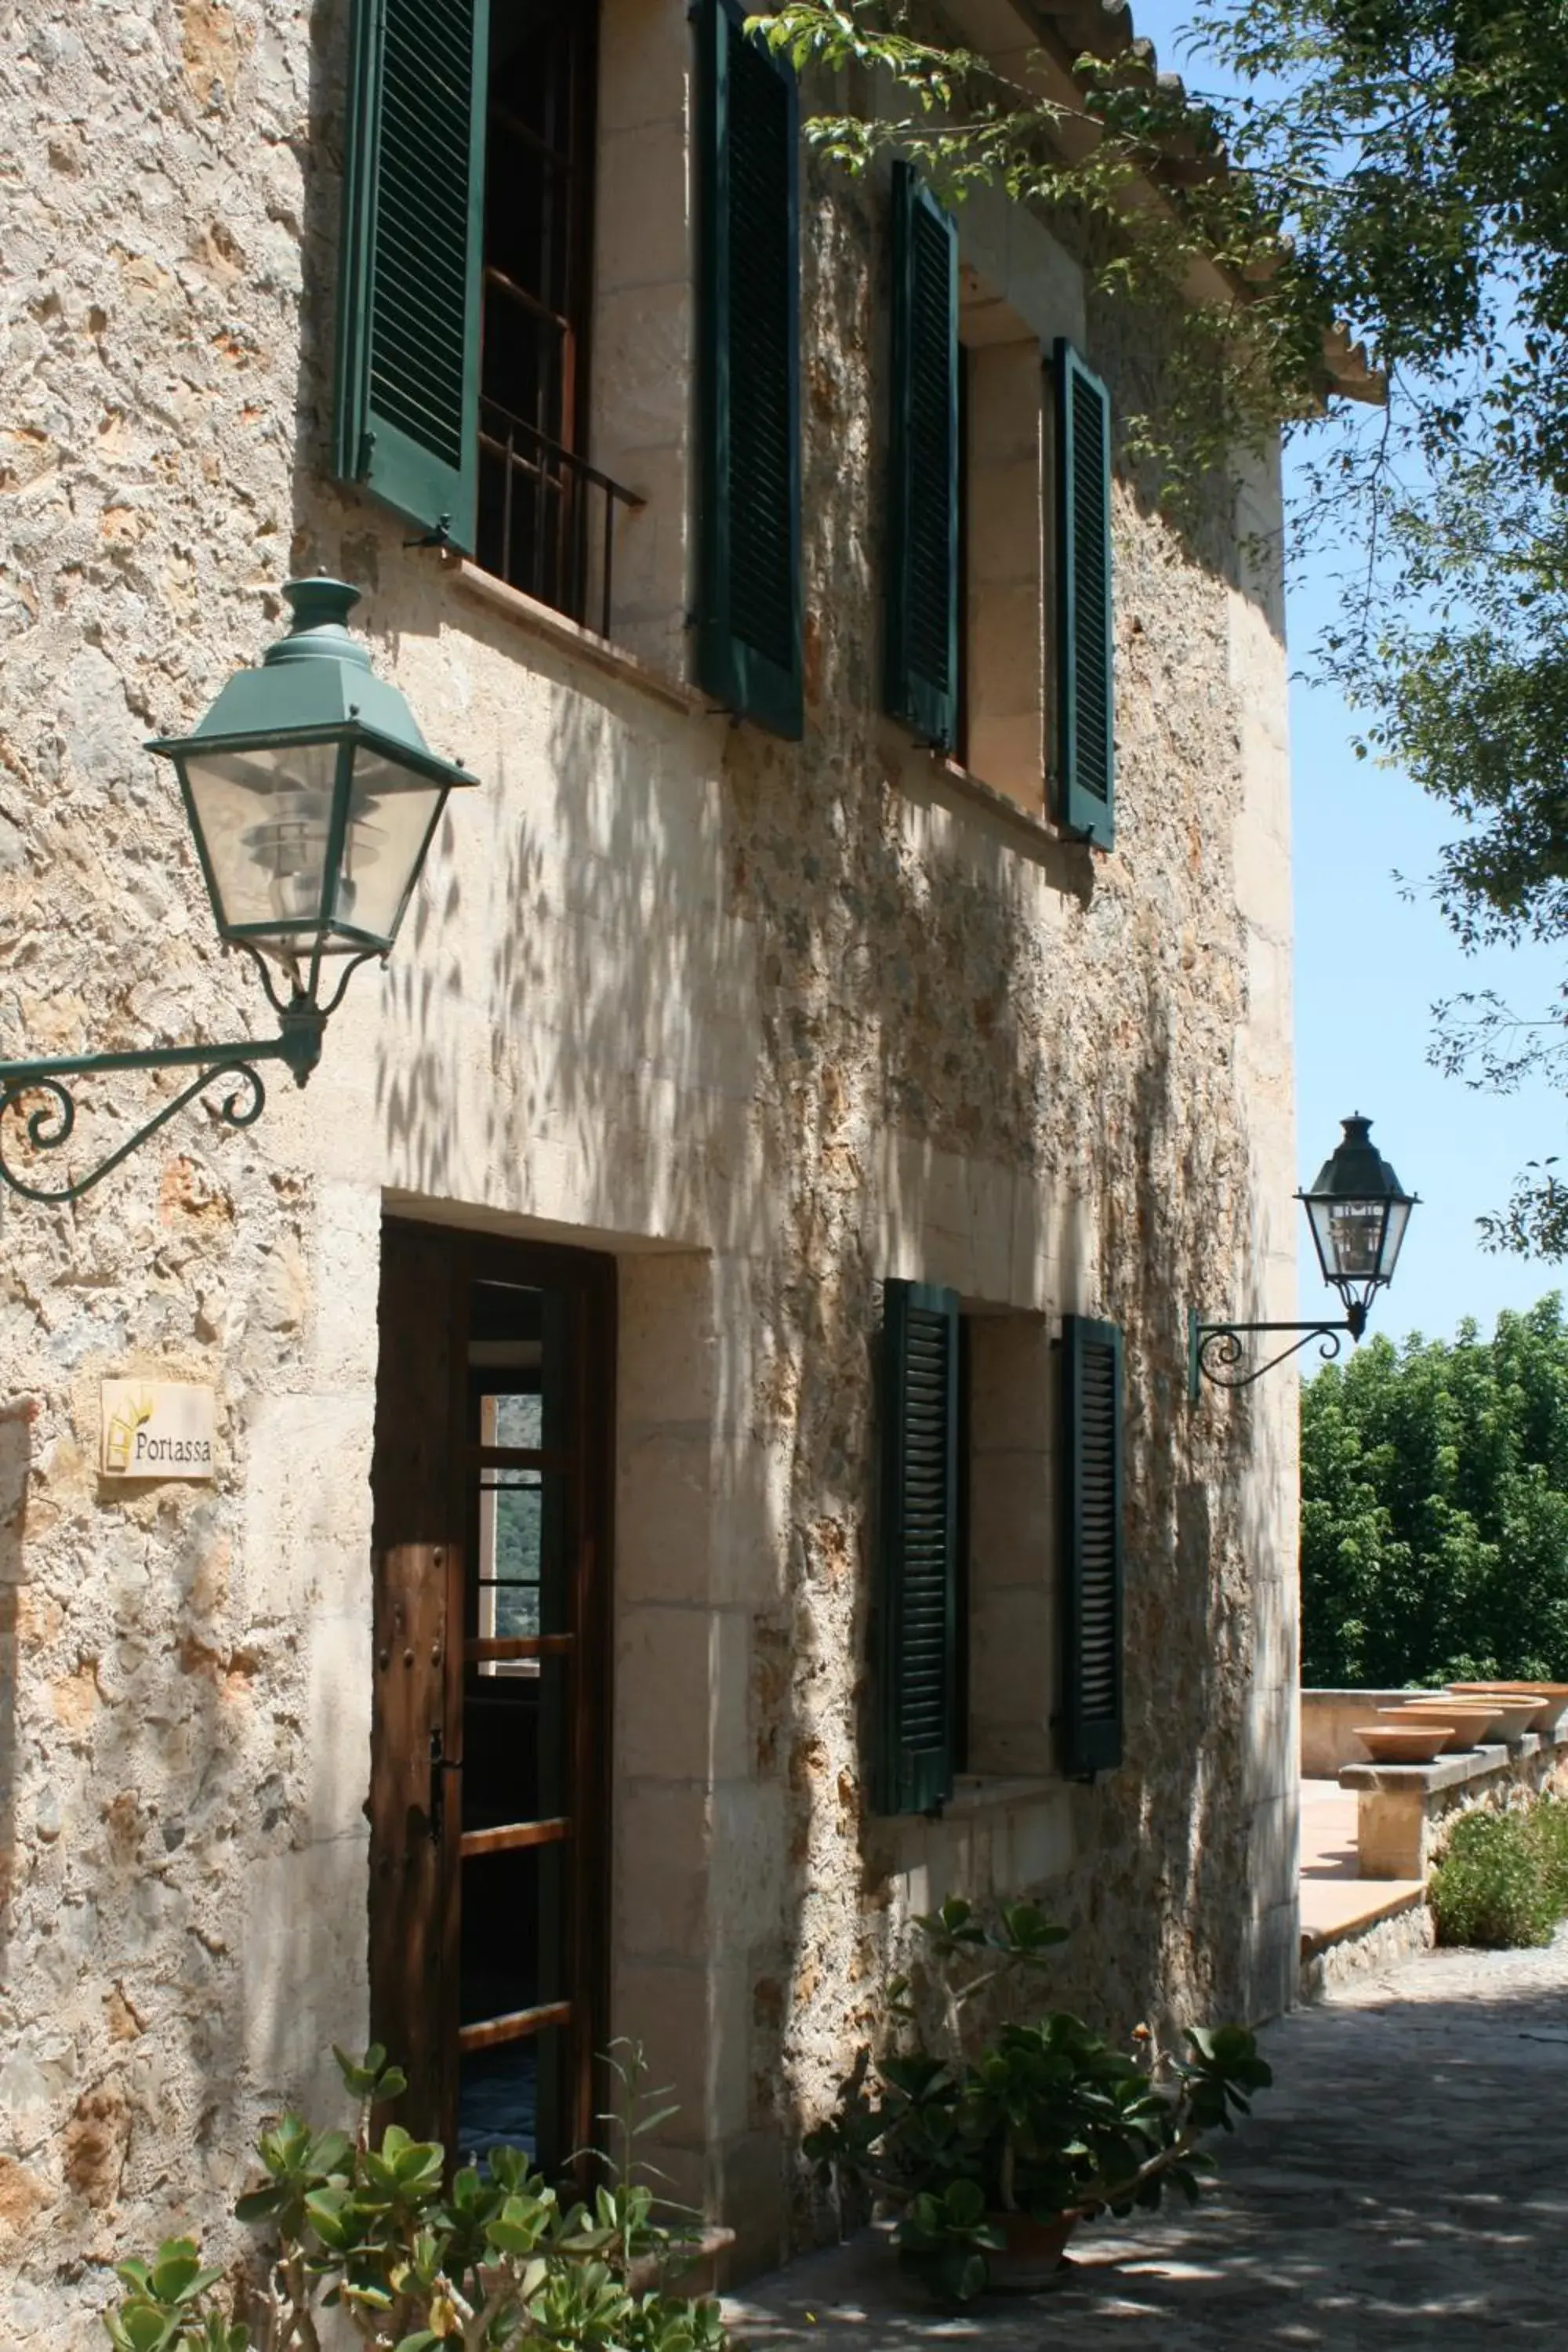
(1357, 1211)
(313, 798)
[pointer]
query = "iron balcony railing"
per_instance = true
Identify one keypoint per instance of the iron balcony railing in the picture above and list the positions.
(547, 518)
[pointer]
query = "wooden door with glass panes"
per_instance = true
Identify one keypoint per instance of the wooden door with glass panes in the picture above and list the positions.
(490, 1481)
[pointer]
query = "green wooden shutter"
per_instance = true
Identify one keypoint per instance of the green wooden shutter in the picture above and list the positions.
(1086, 713)
(917, 1628)
(920, 640)
(408, 292)
(749, 625)
(1091, 1717)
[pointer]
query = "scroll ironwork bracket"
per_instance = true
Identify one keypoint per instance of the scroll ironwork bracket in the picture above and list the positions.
(49, 1124)
(1220, 1353)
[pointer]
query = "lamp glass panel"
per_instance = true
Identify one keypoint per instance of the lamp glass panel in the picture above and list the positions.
(391, 811)
(1349, 1235)
(265, 816)
(1398, 1218)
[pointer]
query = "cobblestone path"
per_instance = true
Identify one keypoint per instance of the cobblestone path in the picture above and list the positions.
(1405, 2184)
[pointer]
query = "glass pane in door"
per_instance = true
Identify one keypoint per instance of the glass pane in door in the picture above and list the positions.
(519, 1680)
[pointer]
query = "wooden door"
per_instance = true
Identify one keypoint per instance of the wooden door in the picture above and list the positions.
(491, 1470)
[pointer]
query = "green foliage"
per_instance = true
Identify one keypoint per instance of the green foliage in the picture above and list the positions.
(1504, 1881)
(492, 2260)
(1037, 2115)
(1435, 1508)
(1239, 362)
(1548, 1823)
(1405, 170)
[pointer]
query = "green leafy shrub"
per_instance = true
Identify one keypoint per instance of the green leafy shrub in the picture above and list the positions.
(1503, 1882)
(499, 2259)
(1036, 2115)
(1549, 1821)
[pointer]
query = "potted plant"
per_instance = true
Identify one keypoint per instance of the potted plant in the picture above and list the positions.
(990, 2132)
(370, 2241)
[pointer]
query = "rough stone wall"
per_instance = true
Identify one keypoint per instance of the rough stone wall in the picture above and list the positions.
(1083, 1023)
(811, 1017)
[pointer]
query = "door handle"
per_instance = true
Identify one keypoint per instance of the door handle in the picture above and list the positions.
(440, 1765)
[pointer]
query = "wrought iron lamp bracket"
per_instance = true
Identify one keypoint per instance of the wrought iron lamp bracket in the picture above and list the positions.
(51, 1124)
(1215, 1350)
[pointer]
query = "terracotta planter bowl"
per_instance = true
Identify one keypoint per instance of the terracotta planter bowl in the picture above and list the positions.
(1516, 1709)
(1405, 1743)
(1488, 1702)
(1469, 1725)
(1545, 1690)
(1553, 1697)
(1033, 2254)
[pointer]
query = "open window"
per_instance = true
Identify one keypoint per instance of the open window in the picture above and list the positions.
(466, 288)
(536, 495)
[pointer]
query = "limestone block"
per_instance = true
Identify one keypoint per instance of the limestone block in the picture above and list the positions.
(1034, 1844)
(1005, 522)
(642, 232)
(307, 1505)
(666, 2007)
(1392, 1834)
(300, 1927)
(336, 1762)
(682, 1676)
(666, 1343)
(693, 2021)
(1012, 1402)
(1012, 1507)
(651, 540)
(1273, 1850)
(663, 1845)
(1274, 1963)
(747, 1862)
(348, 1242)
(1272, 1740)
(644, 64)
(664, 1513)
(752, 2200)
(1043, 284)
(1013, 1659)
(1004, 435)
(1008, 754)
(642, 341)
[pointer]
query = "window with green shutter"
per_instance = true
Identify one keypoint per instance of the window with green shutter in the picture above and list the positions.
(917, 1621)
(408, 309)
(1086, 757)
(920, 640)
(748, 616)
(1090, 1716)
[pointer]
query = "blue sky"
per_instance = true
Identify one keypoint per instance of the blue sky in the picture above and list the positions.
(1369, 965)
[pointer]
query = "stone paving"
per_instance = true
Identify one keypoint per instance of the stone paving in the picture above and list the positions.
(1405, 2184)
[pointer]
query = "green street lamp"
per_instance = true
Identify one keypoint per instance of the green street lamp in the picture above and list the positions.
(1357, 1212)
(312, 797)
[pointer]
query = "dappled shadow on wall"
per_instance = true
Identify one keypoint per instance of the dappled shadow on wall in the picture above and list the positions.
(15, 1461)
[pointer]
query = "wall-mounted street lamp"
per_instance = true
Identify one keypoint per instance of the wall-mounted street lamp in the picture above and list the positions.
(1358, 1213)
(313, 796)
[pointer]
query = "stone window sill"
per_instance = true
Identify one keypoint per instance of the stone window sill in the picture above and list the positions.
(1035, 834)
(973, 794)
(978, 1792)
(968, 786)
(570, 637)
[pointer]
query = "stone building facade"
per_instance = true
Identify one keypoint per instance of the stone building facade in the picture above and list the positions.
(720, 1029)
